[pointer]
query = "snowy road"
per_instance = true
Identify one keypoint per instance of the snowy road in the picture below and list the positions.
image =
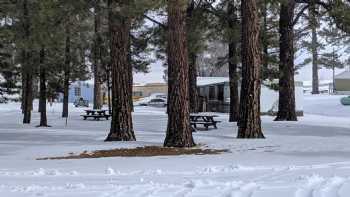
(309, 158)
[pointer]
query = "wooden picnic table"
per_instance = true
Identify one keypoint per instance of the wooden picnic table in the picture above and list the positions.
(96, 111)
(203, 119)
(96, 114)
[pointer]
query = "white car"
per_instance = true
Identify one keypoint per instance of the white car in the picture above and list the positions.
(157, 102)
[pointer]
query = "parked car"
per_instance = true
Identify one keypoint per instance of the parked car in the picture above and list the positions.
(161, 96)
(345, 100)
(80, 102)
(150, 99)
(157, 102)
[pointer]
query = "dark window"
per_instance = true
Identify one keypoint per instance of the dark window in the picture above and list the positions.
(212, 95)
(157, 100)
(221, 92)
(77, 91)
(137, 93)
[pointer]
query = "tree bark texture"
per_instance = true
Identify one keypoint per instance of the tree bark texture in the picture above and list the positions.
(286, 105)
(314, 47)
(97, 59)
(179, 131)
(67, 65)
(119, 27)
(192, 60)
(109, 95)
(23, 80)
(265, 44)
(131, 80)
(28, 97)
(193, 90)
(27, 71)
(42, 97)
(249, 124)
(233, 64)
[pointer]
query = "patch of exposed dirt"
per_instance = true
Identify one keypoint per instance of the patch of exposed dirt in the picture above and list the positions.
(148, 151)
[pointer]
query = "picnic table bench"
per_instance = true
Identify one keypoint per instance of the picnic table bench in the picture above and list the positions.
(96, 114)
(206, 120)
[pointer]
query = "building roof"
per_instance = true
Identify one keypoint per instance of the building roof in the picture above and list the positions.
(148, 84)
(204, 81)
(343, 75)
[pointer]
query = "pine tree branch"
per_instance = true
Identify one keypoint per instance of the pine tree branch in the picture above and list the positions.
(155, 21)
(300, 14)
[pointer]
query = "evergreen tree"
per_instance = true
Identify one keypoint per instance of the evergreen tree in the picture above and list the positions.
(269, 39)
(249, 124)
(179, 131)
(9, 71)
(331, 61)
(314, 46)
(233, 25)
(286, 107)
(26, 61)
(119, 27)
(97, 55)
(196, 21)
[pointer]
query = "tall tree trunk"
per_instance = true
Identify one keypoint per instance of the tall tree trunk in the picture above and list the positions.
(23, 93)
(249, 124)
(233, 62)
(42, 98)
(314, 47)
(97, 59)
(192, 57)
(179, 131)
(109, 89)
(66, 74)
(28, 98)
(119, 27)
(286, 105)
(27, 73)
(193, 90)
(265, 44)
(333, 77)
(131, 80)
(333, 70)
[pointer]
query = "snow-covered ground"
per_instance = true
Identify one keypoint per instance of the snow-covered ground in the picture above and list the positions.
(308, 158)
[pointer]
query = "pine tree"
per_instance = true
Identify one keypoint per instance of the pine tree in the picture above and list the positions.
(331, 61)
(72, 16)
(43, 89)
(67, 67)
(249, 124)
(120, 25)
(314, 46)
(179, 131)
(9, 71)
(97, 56)
(27, 71)
(197, 26)
(233, 25)
(269, 40)
(286, 104)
